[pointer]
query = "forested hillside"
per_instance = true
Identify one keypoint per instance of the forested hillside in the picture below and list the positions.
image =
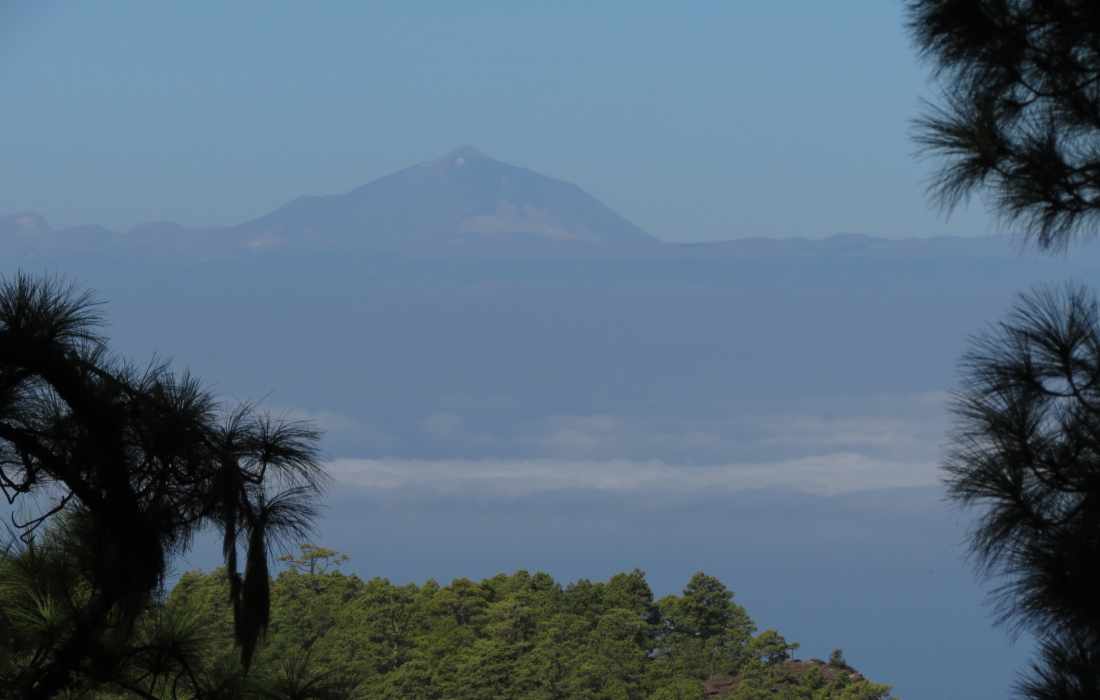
(522, 635)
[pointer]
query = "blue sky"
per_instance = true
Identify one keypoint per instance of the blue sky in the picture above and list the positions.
(706, 120)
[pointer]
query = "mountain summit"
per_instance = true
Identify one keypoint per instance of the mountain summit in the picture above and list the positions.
(464, 199)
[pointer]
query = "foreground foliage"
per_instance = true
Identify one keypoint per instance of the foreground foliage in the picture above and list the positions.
(122, 465)
(1020, 121)
(1020, 113)
(1026, 448)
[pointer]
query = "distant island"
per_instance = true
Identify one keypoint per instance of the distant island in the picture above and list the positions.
(464, 204)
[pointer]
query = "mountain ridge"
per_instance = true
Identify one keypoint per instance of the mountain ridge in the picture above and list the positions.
(464, 203)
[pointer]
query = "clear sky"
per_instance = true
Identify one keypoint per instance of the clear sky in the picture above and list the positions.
(702, 120)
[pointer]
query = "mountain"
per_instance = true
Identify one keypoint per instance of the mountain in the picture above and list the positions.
(464, 202)
(463, 199)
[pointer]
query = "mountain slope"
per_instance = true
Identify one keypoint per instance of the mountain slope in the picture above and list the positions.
(463, 199)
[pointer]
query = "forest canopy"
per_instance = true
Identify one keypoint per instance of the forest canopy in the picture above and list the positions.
(520, 635)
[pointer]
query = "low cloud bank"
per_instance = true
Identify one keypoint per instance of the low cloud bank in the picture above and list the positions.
(828, 446)
(826, 474)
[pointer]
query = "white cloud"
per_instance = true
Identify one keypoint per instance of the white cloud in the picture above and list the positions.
(825, 447)
(830, 473)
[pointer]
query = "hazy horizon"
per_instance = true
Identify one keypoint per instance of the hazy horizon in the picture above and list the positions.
(450, 155)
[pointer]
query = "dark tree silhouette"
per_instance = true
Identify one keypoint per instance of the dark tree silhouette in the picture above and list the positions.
(1020, 119)
(142, 459)
(1026, 449)
(1067, 669)
(1020, 114)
